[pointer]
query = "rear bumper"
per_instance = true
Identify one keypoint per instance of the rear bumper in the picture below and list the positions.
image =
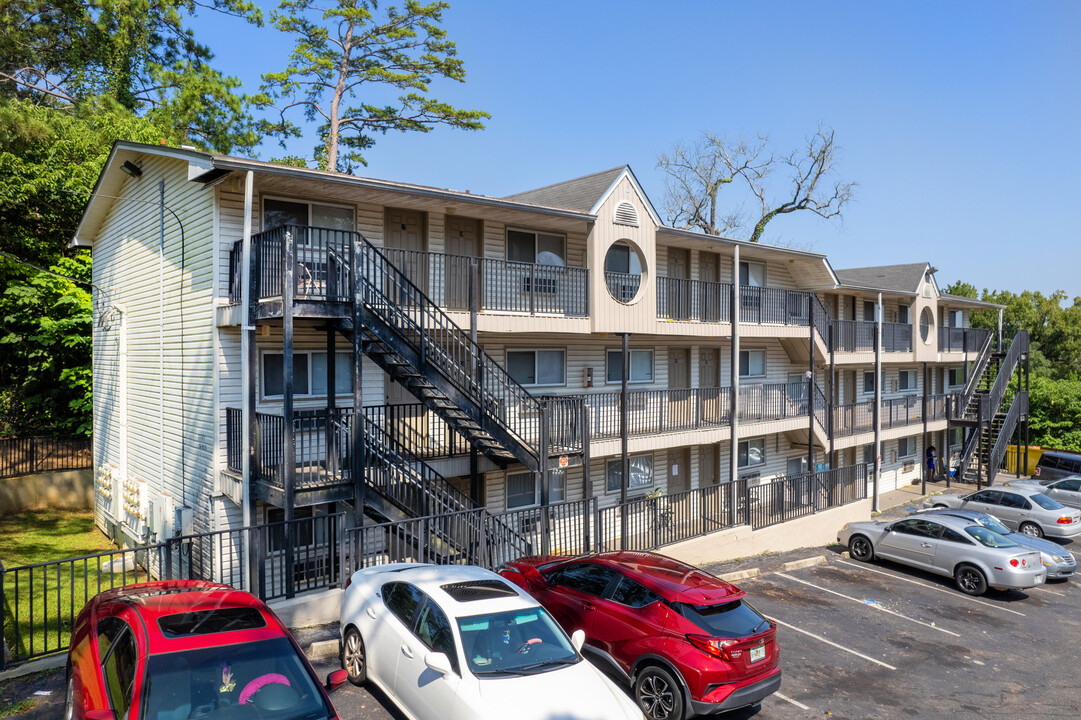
(742, 697)
(1017, 580)
(1061, 531)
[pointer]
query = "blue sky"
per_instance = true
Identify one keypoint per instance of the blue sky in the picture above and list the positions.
(961, 121)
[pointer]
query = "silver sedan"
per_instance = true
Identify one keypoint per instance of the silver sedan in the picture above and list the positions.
(975, 557)
(1023, 509)
(1067, 490)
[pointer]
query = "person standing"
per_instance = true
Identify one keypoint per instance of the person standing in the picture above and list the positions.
(931, 463)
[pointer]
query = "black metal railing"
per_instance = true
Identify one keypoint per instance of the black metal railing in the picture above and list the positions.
(30, 455)
(651, 521)
(623, 286)
(680, 299)
(793, 496)
(658, 411)
(774, 306)
(854, 335)
(564, 528)
(952, 339)
(426, 434)
(896, 337)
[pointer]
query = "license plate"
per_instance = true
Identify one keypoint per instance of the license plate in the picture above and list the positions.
(1039, 579)
(757, 654)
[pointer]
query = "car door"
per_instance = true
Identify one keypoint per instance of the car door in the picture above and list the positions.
(985, 501)
(1067, 491)
(391, 625)
(119, 664)
(624, 618)
(953, 548)
(912, 542)
(423, 692)
(1013, 509)
(573, 592)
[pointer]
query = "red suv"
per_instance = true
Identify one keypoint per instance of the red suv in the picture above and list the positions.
(182, 649)
(688, 642)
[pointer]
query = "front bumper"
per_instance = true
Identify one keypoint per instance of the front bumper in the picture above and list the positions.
(742, 697)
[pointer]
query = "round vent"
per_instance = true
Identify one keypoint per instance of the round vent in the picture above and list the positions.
(626, 214)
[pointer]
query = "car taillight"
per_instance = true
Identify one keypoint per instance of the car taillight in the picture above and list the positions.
(1037, 473)
(1064, 520)
(348, 581)
(715, 647)
(1014, 562)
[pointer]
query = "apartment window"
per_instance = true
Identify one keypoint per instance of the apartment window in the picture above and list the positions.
(752, 274)
(797, 466)
(906, 380)
(524, 491)
(902, 314)
(751, 453)
(641, 366)
(641, 473)
(309, 374)
(534, 247)
(287, 212)
(957, 318)
(868, 382)
(957, 377)
(906, 447)
(868, 311)
(869, 454)
(752, 363)
(537, 367)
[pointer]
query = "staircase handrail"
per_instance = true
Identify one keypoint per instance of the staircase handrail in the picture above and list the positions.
(982, 358)
(823, 322)
(1018, 407)
(968, 451)
(1018, 345)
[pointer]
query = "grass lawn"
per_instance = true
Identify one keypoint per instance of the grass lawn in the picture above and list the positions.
(40, 605)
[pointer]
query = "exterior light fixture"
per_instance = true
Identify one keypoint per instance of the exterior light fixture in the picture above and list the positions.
(131, 169)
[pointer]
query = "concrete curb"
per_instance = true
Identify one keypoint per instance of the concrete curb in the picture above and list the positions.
(29, 668)
(804, 563)
(322, 650)
(741, 575)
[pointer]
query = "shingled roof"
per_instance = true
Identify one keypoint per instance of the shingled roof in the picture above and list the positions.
(577, 194)
(892, 278)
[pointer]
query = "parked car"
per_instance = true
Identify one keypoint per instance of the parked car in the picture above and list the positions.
(1023, 509)
(1056, 463)
(1059, 562)
(459, 643)
(686, 641)
(183, 649)
(975, 557)
(1067, 490)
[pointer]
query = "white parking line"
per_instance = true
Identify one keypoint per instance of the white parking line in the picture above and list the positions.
(876, 607)
(830, 642)
(1052, 592)
(929, 586)
(800, 705)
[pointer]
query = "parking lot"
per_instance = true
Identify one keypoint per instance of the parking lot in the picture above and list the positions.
(883, 641)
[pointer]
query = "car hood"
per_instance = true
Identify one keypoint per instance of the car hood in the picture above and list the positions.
(1039, 544)
(571, 692)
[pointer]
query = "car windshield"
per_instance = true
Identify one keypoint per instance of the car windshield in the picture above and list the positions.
(1047, 503)
(264, 680)
(515, 642)
(991, 523)
(727, 620)
(989, 538)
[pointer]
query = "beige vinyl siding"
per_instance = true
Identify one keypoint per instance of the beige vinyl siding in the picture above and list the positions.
(126, 250)
(106, 364)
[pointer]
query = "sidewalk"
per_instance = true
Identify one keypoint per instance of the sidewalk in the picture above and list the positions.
(913, 494)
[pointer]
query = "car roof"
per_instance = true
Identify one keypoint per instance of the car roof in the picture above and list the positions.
(432, 578)
(671, 579)
(145, 603)
(951, 521)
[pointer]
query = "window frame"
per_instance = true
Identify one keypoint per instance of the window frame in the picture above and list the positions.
(631, 381)
(426, 603)
(757, 351)
(309, 354)
(748, 442)
(874, 382)
(552, 474)
(535, 233)
(905, 310)
(910, 447)
(631, 489)
(950, 375)
(536, 374)
(746, 264)
(914, 386)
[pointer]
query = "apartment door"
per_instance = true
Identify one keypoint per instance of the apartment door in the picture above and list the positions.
(679, 298)
(405, 244)
(709, 292)
(709, 381)
(708, 470)
(680, 407)
(463, 241)
(679, 470)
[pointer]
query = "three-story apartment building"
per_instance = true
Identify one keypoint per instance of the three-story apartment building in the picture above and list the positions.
(273, 342)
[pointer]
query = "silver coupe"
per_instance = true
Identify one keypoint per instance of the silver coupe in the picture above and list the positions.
(975, 557)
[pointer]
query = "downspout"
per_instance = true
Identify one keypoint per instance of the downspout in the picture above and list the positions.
(878, 403)
(247, 345)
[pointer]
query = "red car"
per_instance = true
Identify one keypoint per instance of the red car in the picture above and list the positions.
(686, 641)
(188, 649)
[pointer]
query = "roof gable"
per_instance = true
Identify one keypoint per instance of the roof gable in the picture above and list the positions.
(893, 278)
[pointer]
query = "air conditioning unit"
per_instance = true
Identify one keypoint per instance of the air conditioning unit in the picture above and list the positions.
(159, 518)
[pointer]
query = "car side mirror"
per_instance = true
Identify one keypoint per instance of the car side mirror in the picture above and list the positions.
(439, 662)
(100, 715)
(578, 639)
(336, 679)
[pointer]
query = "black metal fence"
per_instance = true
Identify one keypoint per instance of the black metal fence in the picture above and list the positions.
(794, 496)
(30, 455)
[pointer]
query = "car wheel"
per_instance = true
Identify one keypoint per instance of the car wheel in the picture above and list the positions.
(970, 580)
(658, 694)
(69, 697)
(940, 506)
(1031, 529)
(860, 548)
(354, 659)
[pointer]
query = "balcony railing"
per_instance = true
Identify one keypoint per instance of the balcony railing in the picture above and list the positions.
(623, 286)
(961, 339)
(679, 299)
(857, 418)
(658, 411)
(422, 431)
(502, 285)
(854, 335)
(896, 337)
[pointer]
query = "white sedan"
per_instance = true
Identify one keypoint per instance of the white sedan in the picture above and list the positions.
(461, 643)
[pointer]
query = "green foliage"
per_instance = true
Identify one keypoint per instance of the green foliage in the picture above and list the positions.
(357, 47)
(46, 336)
(138, 53)
(1055, 412)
